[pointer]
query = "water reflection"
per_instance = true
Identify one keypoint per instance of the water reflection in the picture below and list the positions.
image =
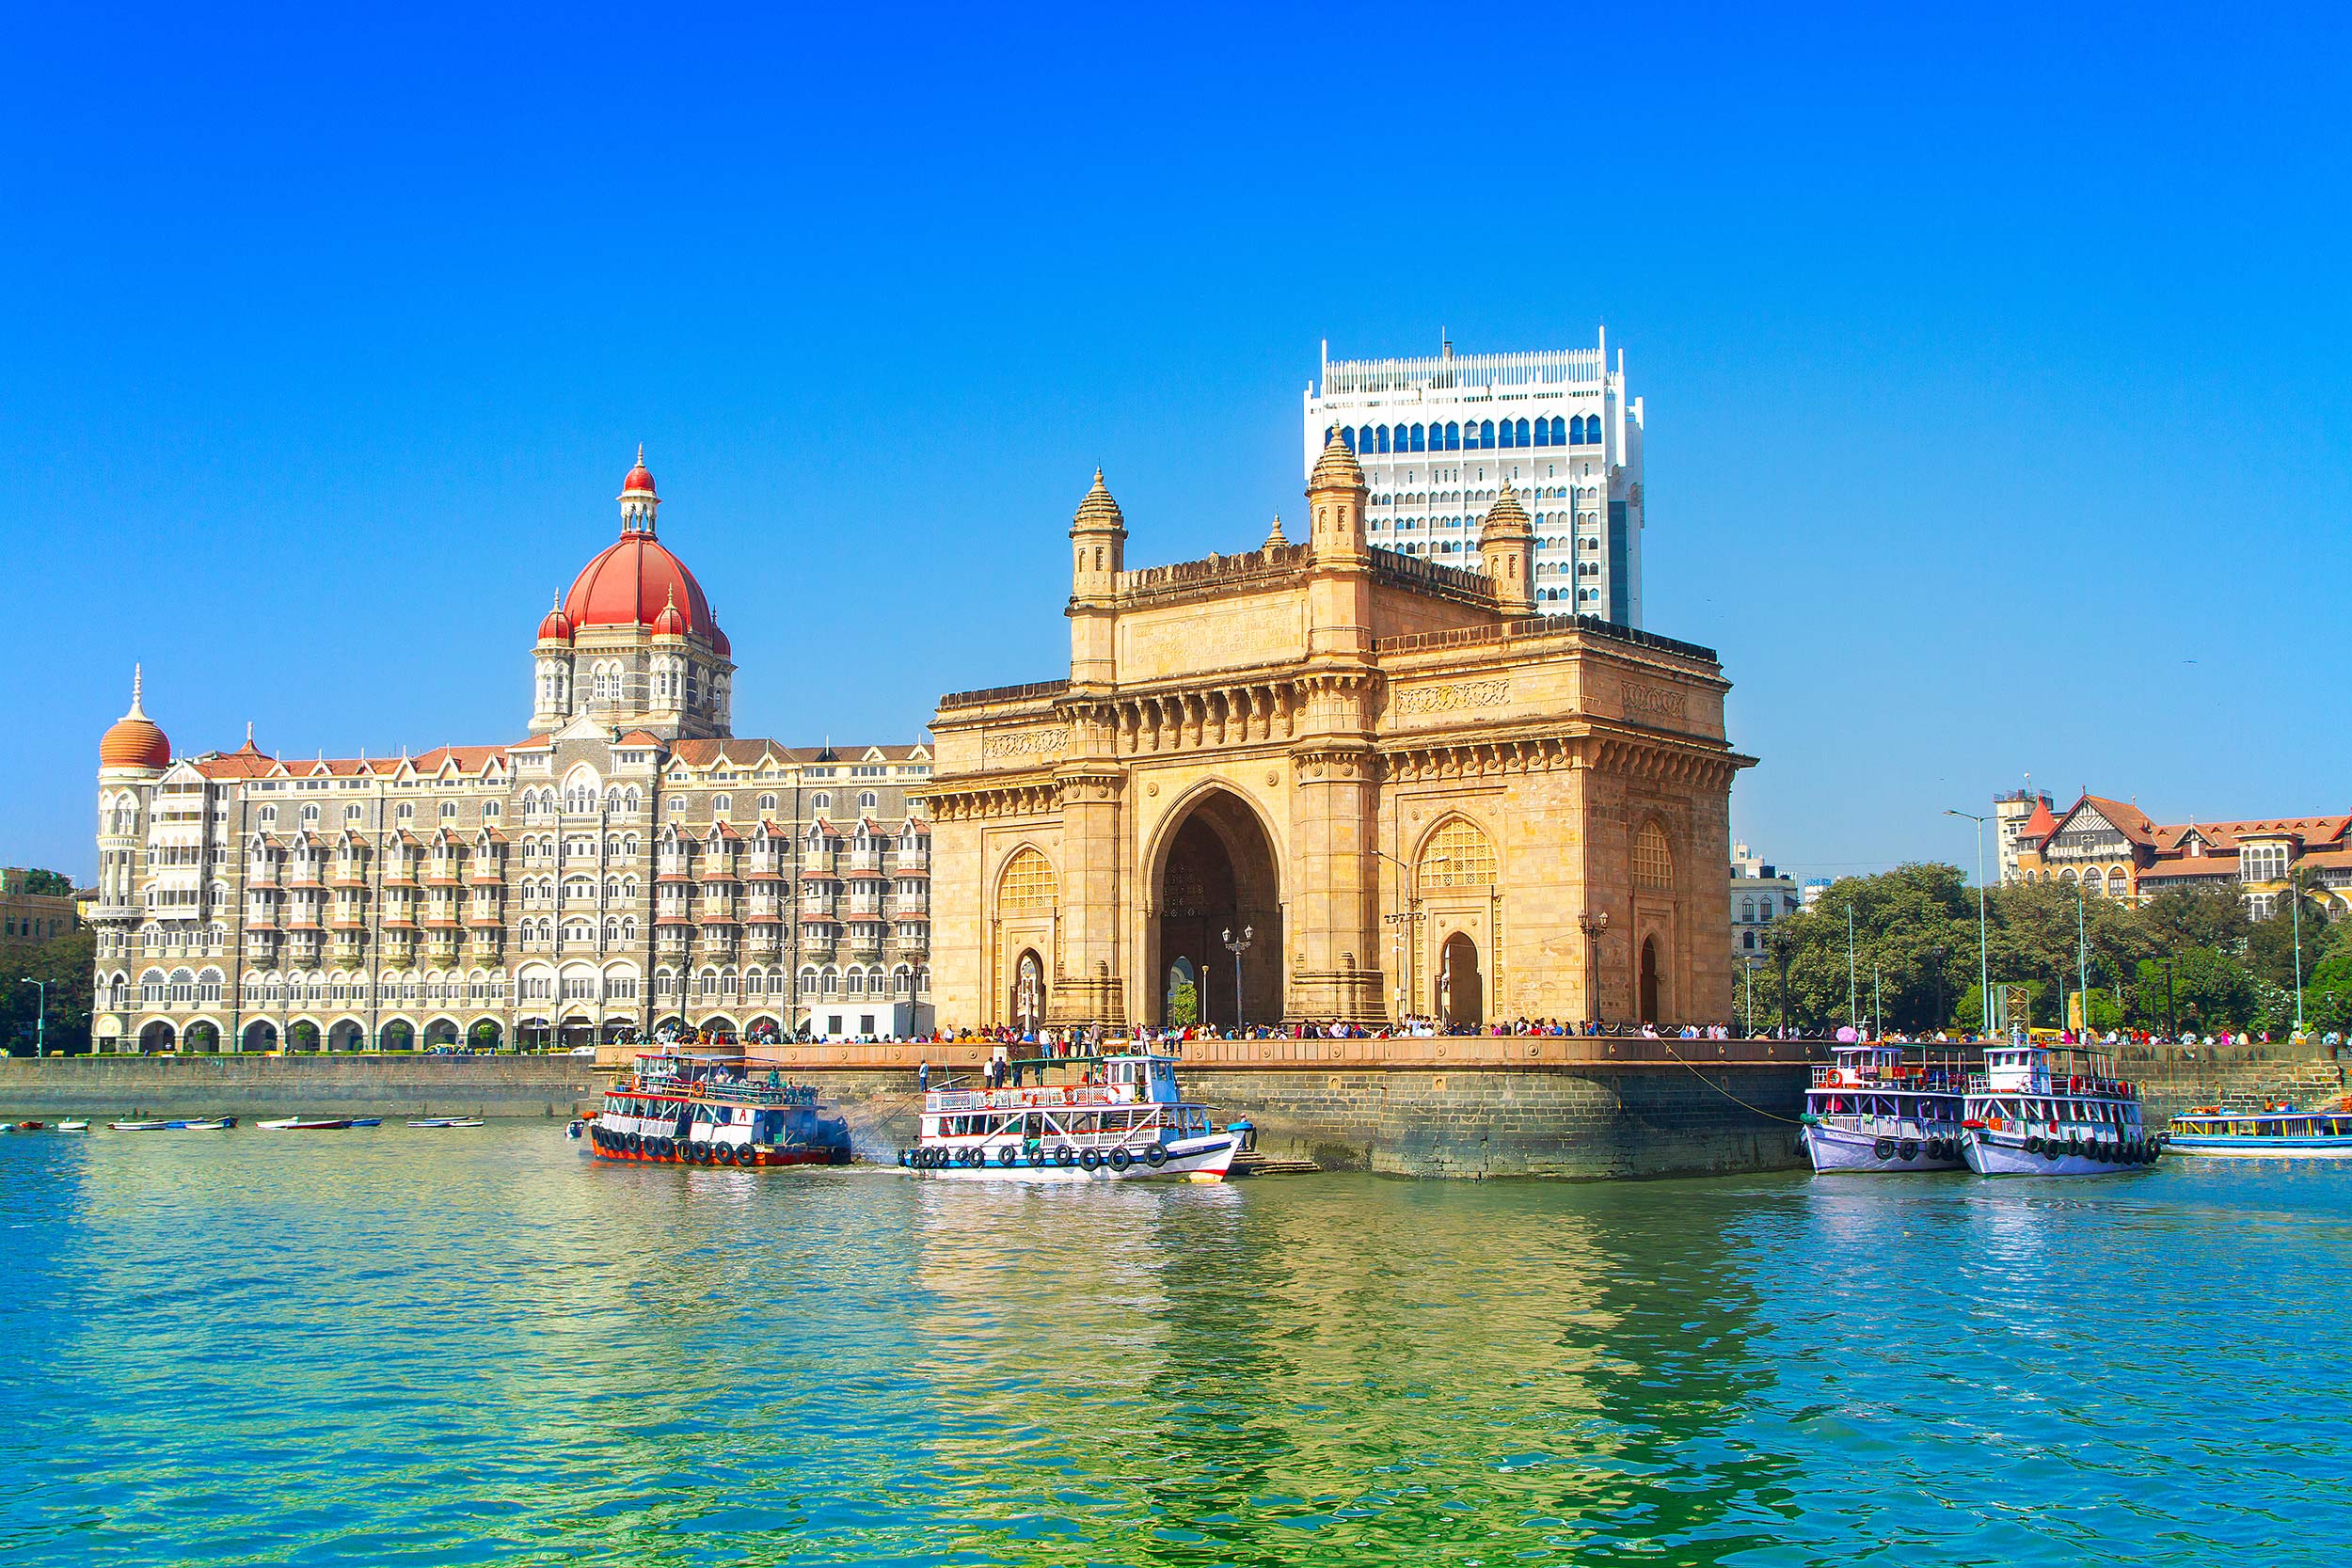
(434, 1347)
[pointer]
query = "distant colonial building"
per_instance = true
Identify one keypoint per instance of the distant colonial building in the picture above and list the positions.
(29, 916)
(1407, 790)
(1441, 438)
(631, 863)
(2013, 811)
(2112, 849)
(1759, 897)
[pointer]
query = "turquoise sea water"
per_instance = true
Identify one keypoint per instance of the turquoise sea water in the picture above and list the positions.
(408, 1347)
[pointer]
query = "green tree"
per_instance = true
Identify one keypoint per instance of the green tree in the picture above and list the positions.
(55, 884)
(1184, 1005)
(66, 963)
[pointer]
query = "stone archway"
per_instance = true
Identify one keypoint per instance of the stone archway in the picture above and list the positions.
(304, 1036)
(202, 1036)
(259, 1036)
(1649, 980)
(1219, 874)
(440, 1034)
(1026, 1004)
(157, 1036)
(350, 1035)
(1461, 990)
(1180, 999)
(398, 1035)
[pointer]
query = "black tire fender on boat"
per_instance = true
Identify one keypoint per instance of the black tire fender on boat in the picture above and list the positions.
(1155, 1156)
(1010, 1157)
(631, 1142)
(1065, 1156)
(1122, 1159)
(1088, 1160)
(2033, 1143)
(1910, 1150)
(1883, 1148)
(2050, 1149)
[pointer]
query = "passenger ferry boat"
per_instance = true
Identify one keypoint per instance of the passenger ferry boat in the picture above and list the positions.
(1869, 1110)
(1109, 1118)
(2035, 1111)
(681, 1110)
(2250, 1130)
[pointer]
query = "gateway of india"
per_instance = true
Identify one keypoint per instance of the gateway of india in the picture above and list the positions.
(1405, 790)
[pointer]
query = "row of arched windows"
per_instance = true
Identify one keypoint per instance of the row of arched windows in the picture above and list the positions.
(1483, 435)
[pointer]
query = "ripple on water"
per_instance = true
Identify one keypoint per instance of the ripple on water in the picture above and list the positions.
(411, 1347)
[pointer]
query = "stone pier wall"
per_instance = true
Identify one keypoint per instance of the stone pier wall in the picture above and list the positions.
(393, 1085)
(1440, 1108)
(2173, 1078)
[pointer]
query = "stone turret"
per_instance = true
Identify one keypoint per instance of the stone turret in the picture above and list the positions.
(1098, 545)
(1506, 544)
(1336, 497)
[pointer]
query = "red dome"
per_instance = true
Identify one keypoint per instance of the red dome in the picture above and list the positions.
(669, 623)
(631, 582)
(718, 643)
(555, 629)
(134, 740)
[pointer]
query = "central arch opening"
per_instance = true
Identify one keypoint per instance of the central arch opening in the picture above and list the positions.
(1219, 876)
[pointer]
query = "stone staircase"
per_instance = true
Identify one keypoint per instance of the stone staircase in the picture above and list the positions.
(1266, 1165)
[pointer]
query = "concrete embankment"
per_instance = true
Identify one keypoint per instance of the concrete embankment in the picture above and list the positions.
(390, 1085)
(2173, 1078)
(1458, 1107)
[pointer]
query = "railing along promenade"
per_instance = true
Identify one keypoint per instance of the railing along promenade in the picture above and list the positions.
(1376, 1054)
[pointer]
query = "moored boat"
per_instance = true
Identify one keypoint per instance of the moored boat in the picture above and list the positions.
(681, 1110)
(192, 1124)
(2041, 1111)
(1870, 1110)
(1117, 1116)
(306, 1124)
(2253, 1130)
(445, 1121)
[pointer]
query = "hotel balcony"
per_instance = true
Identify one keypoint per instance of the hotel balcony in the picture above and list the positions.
(672, 868)
(716, 911)
(911, 906)
(487, 875)
(863, 861)
(350, 877)
(906, 946)
(763, 868)
(864, 909)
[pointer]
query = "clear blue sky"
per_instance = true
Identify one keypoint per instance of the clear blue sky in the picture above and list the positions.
(1995, 360)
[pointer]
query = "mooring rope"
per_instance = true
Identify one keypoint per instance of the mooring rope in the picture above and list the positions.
(1770, 1115)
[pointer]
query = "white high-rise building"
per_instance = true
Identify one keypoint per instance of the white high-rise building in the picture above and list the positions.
(1439, 437)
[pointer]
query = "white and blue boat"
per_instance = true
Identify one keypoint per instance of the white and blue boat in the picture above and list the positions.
(2255, 1131)
(2039, 1110)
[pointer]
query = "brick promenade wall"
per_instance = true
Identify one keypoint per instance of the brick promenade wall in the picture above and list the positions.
(398, 1085)
(2173, 1078)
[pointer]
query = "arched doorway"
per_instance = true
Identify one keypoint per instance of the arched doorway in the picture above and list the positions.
(303, 1036)
(347, 1035)
(259, 1037)
(1649, 980)
(155, 1036)
(1218, 875)
(1029, 990)
(484, 1035)
(204, 1036)
(576, 1032)
(441, 1035)
(1179, 1001)
(1461, 990)
(398, 1035)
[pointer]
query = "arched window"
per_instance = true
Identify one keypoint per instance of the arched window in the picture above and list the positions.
(1453, 436)
(1026, 884)
(1458, 854)
(1509, 435)
(1522, 429)
(808, 982)
(1380, 436)
(1486, 435)
(821, 800)
(1559, 431)
(1347, 439)
(1543, 433)
(1417, 436)
(868, 801)
(766, 803)
(1747, 911)
(721, 804)
(1653, 858)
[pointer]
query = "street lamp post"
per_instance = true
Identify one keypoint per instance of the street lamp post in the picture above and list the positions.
(1237, 946)
(1853, 1007)
(1984, 962)
(40, 1016)
(1593, 926)
(2295, 906)
(1406, 923)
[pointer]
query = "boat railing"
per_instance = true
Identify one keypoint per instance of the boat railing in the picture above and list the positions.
(2054, 1086)
(1907, 1080)
(1046, 1098)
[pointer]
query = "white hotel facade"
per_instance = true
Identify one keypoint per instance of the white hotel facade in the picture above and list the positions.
(1438, 437)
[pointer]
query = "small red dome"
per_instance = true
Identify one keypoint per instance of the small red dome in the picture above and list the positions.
(718, 643)
(640, 480)
(554, 628)
(669, 623)
(134, 740)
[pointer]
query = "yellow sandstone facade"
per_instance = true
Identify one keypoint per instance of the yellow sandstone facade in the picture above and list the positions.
(1412, 793)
